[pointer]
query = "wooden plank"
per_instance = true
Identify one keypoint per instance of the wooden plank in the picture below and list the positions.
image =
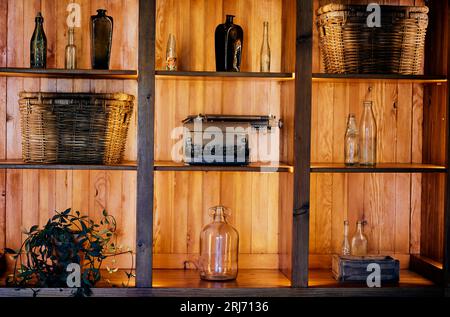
(387, 78)
(3, 107)
(379, 168)
(324, 204)
(259, 201)
(253, 167)
(416, 181)
(403, 190)
(446, 220)
(64, 73)
(206, 75)
(246, 260)
(302, 141)
(339, 187)
(144, 218)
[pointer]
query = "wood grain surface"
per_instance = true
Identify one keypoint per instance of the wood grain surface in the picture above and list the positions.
(31, 196)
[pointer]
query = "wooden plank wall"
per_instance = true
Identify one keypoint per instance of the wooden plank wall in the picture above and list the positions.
(30, 197)
(182, 199)
(435, 126)
(391, 203)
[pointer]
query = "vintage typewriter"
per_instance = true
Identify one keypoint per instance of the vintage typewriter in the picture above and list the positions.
(222, 139)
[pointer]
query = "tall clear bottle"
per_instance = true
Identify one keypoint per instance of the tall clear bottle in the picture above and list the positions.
(171, 54)
(219, 247)
(346, 243)
(265, 49)
(71, 51)
(359, 241)
(368, 136)
(38, 44)
(351, 142)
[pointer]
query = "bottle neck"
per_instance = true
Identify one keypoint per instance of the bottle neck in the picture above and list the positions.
(346, 230)
(266, 30)
(219, 217)
(230, 19)
(359, 228)
(351, 123)
(71, 37)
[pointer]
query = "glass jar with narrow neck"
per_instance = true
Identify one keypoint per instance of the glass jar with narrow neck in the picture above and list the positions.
(359, 241)
(368, 136)
(71, 50)
(219, 247)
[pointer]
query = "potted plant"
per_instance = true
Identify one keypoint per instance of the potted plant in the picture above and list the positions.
(47, 255)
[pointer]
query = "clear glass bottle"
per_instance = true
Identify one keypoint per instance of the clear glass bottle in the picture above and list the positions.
(171, 53)
(38, 44)
(346, 243)
(219, 247)
(359, 241)
(71, 51)
(265, 49)
(351, 141)
(368, 136)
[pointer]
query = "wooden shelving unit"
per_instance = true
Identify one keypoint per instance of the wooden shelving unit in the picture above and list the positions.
(65, 73)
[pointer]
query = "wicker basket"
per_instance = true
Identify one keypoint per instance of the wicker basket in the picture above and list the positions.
(348, 45)
(74, 128)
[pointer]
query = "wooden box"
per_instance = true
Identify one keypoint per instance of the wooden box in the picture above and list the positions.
(352, 269)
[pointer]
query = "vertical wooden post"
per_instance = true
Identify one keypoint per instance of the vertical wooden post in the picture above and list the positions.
(146, 111)
(302, 143)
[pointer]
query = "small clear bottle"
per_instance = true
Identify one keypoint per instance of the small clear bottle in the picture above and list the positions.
(368, 136)
(265, 49)
(171, 54)
(359, 241)
(71, 51)
(346, 243)
(351, 142)
(219, 247)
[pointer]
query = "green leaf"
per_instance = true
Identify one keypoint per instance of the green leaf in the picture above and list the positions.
(105, 213)
(11, 251)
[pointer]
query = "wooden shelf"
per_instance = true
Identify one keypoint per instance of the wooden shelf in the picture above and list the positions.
(379, 168)
(419, 79)
(65, 73)
(161, 74)
(245, 279)
(254, 167)
(18, 164)
(324, 279)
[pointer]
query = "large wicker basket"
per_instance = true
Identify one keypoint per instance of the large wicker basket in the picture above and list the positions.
(349, 45)
(74, 128)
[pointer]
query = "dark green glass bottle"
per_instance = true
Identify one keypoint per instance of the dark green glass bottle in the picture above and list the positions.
(38, 45)
(102, 27)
